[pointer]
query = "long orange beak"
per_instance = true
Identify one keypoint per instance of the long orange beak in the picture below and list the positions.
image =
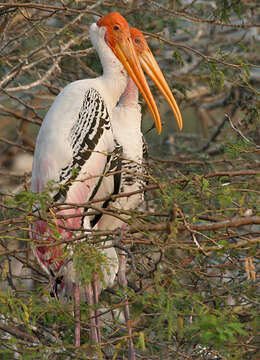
(152, 69)
(125, 52)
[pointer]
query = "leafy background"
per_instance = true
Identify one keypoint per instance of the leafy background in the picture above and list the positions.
(193, 246)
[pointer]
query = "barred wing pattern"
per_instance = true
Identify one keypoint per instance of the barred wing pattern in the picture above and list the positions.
(93, 119)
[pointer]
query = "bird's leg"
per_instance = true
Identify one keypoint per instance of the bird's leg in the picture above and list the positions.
(90, 300)
(97, 318)
(77, 313)
(123, 284)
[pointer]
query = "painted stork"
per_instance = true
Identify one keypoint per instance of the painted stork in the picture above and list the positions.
(76, 148)
(126, 124)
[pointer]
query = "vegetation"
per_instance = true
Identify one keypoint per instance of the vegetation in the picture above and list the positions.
(193, 246)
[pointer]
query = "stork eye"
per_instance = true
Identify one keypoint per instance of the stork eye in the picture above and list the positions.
(116, 27)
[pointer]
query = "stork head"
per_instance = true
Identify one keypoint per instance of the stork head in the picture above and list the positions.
(117, 29)
(117, 36)
(152, 69)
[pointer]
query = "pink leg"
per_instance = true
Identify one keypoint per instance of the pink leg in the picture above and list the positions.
(123, 284)
(90, 300)
(97, 318)
(77, 313)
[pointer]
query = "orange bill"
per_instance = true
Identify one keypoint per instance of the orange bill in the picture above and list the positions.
(152, 69)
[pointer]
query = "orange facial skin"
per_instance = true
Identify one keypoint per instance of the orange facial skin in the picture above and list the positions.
(117, 28)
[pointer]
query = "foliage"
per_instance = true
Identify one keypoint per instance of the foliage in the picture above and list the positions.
(193, 247)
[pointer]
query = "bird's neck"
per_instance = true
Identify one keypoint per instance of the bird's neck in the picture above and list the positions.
(130, 94)
(115, 79)
(114, 75)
